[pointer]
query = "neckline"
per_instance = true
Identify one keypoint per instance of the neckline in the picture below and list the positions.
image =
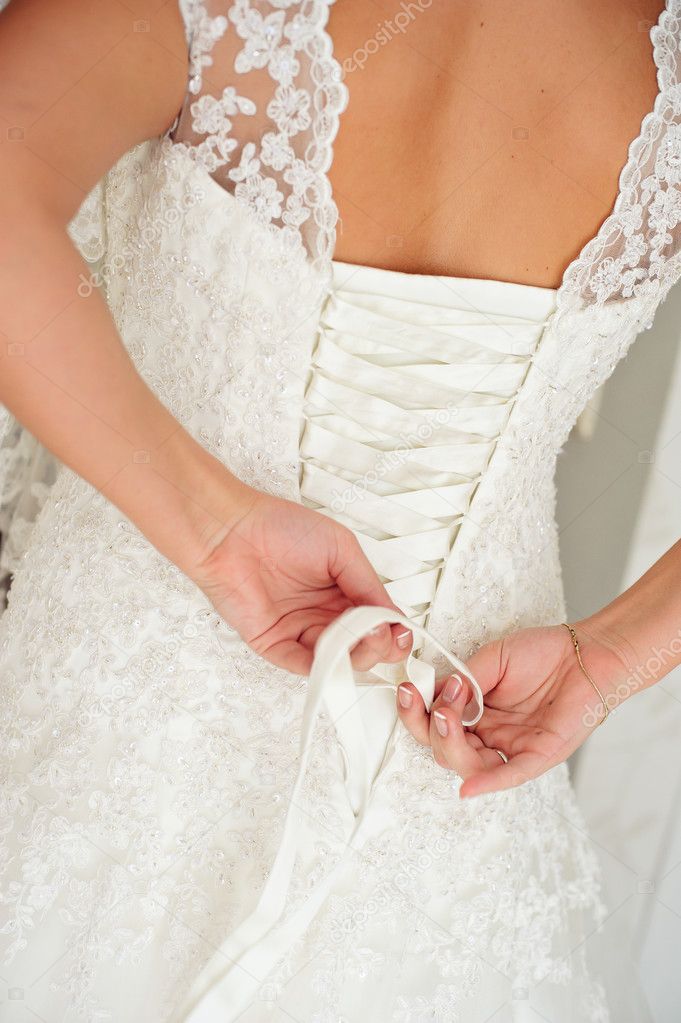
(625, 171)
(445, 278)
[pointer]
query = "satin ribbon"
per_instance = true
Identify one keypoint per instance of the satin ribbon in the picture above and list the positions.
(227, 984)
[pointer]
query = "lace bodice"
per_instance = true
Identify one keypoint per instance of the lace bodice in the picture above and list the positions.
(263, 101)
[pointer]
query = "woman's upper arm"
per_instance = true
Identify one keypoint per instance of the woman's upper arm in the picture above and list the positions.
(80, 84)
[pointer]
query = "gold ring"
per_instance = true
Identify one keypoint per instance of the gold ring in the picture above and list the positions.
(501, 754)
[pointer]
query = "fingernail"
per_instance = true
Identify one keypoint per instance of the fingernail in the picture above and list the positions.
(404, 696)
(376, 629)
(403, 638)
(452, 689)
(440, 722)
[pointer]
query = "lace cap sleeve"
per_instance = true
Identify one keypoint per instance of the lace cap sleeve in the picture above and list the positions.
(262, 108)
(87, 229)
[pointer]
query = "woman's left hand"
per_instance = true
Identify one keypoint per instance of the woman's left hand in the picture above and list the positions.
(539, 706)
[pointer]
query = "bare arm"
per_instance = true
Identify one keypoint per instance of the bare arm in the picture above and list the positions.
(642, 627)
(85, 87)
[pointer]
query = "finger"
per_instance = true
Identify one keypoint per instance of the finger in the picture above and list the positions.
(368, 651)
(451, 748)
(412, 712)
(487, 664)
(402, 641)
(448, 687)
(373, 648)
(358, 581)
(446, 690)
(383, 643)
(355, 576)
(519, 769)
(389, 643)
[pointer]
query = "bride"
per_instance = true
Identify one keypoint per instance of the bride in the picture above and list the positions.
(306, 414)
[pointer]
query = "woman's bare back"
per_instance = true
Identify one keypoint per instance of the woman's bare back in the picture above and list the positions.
(485, 140)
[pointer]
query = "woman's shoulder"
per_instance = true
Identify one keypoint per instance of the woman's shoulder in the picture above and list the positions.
(87, 82)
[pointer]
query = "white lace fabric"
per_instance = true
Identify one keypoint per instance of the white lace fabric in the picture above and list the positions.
(263, 103)
(226, 986)
(147, 755)
(265, 130)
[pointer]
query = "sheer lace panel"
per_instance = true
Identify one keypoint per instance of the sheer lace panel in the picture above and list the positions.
(262, 109)
(638, 247)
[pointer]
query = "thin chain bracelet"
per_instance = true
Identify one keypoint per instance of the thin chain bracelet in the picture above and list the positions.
(575, 643)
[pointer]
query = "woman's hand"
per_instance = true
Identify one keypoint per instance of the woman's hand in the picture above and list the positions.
(283, 572)
(539, 706)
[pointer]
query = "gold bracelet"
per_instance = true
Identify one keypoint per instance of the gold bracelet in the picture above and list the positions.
(575, 643)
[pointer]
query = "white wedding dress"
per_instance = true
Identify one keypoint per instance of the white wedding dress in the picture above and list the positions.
(149, 757)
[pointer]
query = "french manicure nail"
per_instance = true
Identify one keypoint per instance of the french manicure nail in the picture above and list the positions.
(440, 722)
(403, 638)
(404, 696)
(452, 689)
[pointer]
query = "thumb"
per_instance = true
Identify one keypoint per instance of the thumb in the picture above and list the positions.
(357, 579)
(354, 574)
(487, 664)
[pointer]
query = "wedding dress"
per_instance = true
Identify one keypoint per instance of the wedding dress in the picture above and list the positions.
(154, 790)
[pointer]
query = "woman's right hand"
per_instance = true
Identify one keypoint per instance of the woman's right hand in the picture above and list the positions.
(283, 572)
